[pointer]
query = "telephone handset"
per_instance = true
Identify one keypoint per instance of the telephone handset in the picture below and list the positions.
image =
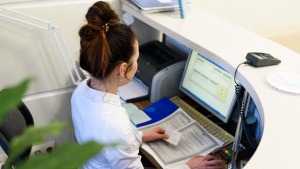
(259, 59)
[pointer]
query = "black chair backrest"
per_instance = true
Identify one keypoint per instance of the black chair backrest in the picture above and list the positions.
(16, 120)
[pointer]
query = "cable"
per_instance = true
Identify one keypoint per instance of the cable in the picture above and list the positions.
(238, 91)
(246, 62)
(238, 88)
(251, 140)
(241, 106)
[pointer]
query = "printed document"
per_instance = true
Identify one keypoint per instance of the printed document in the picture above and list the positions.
(195, 140)
(135, 114)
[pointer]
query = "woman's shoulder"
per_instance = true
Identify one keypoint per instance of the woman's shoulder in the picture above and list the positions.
(80, 88)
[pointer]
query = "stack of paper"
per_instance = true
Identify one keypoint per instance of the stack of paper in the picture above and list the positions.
(133, 91)
(151, 6)
(192, 139)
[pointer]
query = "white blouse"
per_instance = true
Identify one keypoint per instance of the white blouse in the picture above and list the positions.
(99, 116)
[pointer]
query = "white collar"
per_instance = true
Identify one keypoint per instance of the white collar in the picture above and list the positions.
(101, 96)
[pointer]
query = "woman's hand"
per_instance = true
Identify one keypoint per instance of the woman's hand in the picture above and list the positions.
(154, 134)
(204, 162)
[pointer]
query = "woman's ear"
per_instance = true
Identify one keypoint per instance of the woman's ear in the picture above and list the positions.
(122, 69)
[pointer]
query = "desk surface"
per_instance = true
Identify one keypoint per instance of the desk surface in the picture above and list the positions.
(227, 44)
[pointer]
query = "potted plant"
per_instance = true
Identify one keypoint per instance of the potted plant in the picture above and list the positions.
(67, 156)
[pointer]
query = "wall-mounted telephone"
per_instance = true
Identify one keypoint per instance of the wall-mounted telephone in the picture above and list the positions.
(259, 59)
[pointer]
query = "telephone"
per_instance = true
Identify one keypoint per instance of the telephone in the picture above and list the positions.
(259, 59)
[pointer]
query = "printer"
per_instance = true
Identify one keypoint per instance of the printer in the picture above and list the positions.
(160, 68)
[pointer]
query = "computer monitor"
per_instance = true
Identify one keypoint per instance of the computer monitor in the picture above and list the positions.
(209, 85)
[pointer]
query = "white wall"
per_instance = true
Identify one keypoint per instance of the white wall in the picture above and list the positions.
(288, 37)
(69, 14)
(256, 15)
(27, 51)
(275, 19)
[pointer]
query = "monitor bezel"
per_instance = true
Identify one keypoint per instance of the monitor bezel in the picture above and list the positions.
(202, 103)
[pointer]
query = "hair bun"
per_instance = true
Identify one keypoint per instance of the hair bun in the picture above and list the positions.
(100, 16)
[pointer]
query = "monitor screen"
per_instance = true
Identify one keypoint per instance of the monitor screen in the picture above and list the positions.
(209, 85)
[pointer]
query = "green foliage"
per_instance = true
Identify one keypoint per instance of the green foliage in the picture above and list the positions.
(33, 135)
(11, 96)
(68, 156)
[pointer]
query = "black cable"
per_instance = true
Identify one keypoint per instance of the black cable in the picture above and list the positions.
(239, 91)
(238, 88)
(246, 62)
(252, 141)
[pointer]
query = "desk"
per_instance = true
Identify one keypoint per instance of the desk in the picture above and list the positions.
(227, 44)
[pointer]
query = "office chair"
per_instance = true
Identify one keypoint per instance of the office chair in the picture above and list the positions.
(16, 120)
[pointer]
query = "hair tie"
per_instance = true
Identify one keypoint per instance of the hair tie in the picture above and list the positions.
(106, 27)
(102, 28)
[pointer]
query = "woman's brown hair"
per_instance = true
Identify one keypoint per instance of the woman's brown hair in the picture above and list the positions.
(104, 42)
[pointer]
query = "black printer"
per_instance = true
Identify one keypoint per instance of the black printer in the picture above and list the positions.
(160, 69)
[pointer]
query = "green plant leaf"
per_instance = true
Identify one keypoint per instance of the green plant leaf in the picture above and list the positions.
(34, 135)
(11, 96)
(68, 156)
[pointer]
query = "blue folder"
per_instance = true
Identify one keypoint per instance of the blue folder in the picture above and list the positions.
(159, 110)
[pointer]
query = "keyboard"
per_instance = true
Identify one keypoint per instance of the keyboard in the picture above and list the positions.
(206, 123)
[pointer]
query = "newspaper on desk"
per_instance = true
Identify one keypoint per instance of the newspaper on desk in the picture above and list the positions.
(195, 140)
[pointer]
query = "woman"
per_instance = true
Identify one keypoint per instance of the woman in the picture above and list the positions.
(109, 52)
